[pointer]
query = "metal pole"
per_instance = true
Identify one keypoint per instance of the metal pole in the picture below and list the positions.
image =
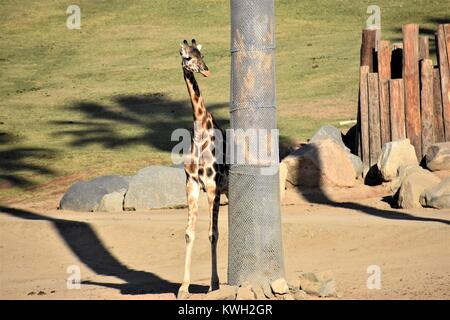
(255, 252)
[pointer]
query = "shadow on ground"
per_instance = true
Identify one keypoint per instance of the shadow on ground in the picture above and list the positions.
(82, 240)
(18, 165)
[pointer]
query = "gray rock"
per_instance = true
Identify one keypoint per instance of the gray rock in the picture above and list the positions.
(329, 132)
(438, 156)
(279, 286)
(112, 202)
(438, 196)
(156, 187)
(394, 155)
(225, 292)
(412, 187)
(87, 195)
(321, 163)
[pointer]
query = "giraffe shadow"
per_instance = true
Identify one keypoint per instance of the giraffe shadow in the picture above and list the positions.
(84, 242)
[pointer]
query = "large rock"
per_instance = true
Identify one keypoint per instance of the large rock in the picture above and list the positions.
(329, 132)
(321, 163)
(438, 156)
(156, 187)
(394, 155)
(412, 187)
(402, 172)
(438, 196)
(87, 195)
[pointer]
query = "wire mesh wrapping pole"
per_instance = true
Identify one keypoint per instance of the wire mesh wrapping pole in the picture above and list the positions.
(255, 247)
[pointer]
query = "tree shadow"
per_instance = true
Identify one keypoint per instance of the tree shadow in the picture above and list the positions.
(426, 31)
(15, 161)
(314, 192)
(151, 117)
(84, 242)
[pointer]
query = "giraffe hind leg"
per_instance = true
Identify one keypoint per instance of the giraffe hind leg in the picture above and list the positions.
(214, 202)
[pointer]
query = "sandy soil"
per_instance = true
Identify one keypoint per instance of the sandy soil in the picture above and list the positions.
(139, 255)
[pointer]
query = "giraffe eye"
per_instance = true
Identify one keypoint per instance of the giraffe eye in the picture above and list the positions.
(188, 58)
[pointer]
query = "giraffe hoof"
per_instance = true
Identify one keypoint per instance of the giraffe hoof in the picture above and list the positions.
(183, 294)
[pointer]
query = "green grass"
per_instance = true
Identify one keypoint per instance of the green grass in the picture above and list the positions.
(104, 99)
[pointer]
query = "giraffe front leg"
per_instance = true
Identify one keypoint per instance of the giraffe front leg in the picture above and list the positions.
(214, 202)
(192, 193)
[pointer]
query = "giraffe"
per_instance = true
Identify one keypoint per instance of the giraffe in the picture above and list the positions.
(205, 165)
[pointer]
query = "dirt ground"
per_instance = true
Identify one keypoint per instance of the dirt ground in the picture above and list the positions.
(139, 255)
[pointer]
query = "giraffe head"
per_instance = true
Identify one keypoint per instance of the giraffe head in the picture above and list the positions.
(192, 58)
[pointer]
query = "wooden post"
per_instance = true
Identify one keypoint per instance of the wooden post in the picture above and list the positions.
(384, 72)
(426, 103)
(364, 117)
(397, 104)
(411, 82)
(442, 53)
(424, 48)
(438, 123)
(368, 45)
(374, 118)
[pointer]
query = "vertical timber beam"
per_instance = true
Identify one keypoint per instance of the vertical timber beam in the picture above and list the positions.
(411, 82)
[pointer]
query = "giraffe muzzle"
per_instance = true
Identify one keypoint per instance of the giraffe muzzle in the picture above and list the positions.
(205, 73)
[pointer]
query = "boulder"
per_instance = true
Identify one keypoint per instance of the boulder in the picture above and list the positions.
(279, 286)
(321, 163)
(225, 292)
(394, 155)
(112, 202)
(412, 187)
(87, 195)
(329, 132)
(156, 187)
(438, 196)
(402, 172)
(438, 156)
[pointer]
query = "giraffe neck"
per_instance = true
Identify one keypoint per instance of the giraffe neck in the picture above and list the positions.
(198, 106)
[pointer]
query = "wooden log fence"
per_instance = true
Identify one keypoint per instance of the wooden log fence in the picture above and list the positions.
(401, 94)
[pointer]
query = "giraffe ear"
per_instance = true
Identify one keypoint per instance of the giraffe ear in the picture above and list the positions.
(183, 51)
(199, 47)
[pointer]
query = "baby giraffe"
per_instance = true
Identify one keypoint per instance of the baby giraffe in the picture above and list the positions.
(205, 165)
